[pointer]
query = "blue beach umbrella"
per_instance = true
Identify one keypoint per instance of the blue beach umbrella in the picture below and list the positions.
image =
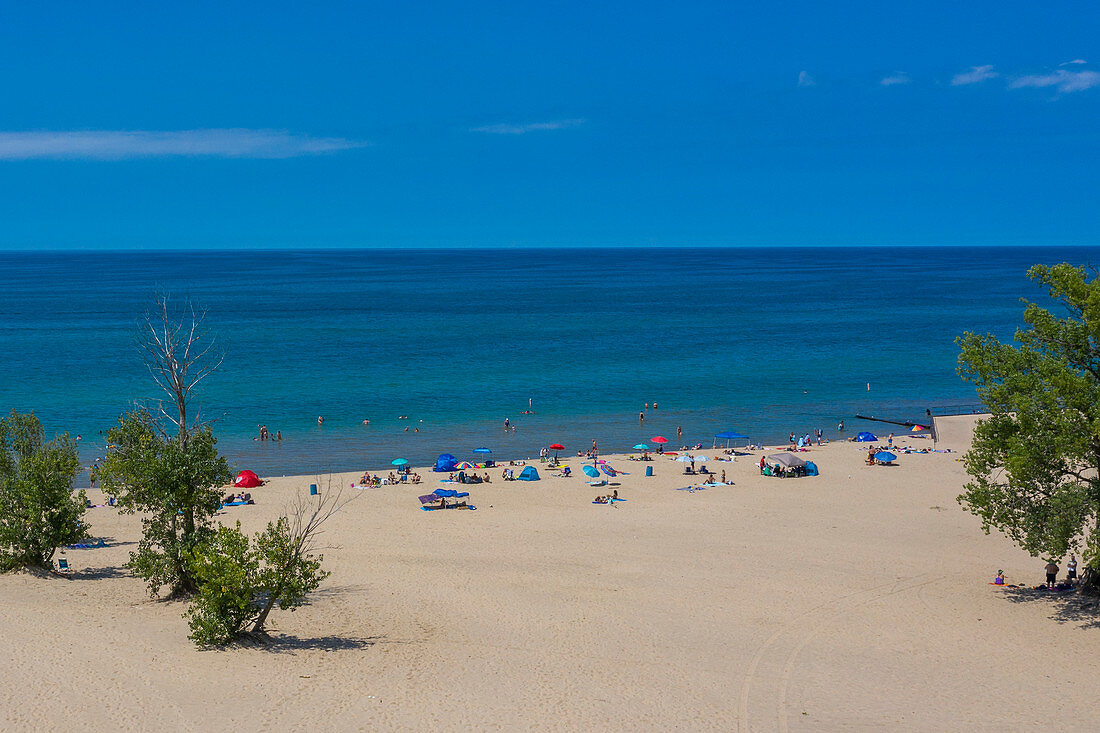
(885, 457)
(399, 461)
(641, 446)
(482, 450)
(866, 437)
(590, 471)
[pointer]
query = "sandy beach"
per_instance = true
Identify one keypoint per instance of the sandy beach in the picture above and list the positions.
(855, 600)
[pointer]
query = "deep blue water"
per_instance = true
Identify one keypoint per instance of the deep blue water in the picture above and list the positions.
(764, 341)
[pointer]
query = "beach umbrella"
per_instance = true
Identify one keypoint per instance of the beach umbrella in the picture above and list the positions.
(915, 428)
(658, 439)
(399, 461)
(641, 446)
(701, 458)
(464, 466)
(685, 459)
(608, 470)
(482, 450)
(885, 457)
(556, 447)
(866, 437)
(590, 471)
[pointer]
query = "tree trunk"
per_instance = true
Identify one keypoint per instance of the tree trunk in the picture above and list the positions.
(1090, 583)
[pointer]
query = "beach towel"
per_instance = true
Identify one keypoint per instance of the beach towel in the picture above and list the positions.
(238, 503)
(88, 544)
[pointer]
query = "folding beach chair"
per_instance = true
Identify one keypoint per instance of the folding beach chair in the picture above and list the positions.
(63, 565)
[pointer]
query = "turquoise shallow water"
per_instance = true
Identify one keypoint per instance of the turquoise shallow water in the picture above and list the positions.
(763, 341)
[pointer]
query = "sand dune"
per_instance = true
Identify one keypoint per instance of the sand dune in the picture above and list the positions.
(857, 600)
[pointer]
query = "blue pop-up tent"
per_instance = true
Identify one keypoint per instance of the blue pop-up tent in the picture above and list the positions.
(865, 437)
(528, 474)
(445, 463)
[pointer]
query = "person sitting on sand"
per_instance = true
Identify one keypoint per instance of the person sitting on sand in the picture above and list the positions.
(416, 478)
(566, 472)
(1000, 579)
(723, 479)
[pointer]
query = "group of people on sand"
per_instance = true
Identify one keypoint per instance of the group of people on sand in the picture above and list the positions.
(375, 480)
(238, 499)
(265, 434)
(1051, 569)
(609, 499)
(805, 441)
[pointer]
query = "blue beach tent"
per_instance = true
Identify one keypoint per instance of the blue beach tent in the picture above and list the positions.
(865, 437)
(528, 474)
(445, 463)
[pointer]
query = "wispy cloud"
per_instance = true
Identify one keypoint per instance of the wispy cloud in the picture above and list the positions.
(1075, 61)
(898, 77)
(522, 129)
(976, 75)
(1064, 81)
(126, 144)
(805, 80)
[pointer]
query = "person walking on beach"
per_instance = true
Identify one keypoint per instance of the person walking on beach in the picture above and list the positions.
(1052, 574)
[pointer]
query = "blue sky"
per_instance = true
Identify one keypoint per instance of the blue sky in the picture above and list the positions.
(506, 124)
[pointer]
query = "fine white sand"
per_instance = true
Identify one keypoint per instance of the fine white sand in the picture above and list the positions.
(857, 600)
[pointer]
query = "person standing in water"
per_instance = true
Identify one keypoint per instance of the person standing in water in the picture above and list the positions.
(641, 418)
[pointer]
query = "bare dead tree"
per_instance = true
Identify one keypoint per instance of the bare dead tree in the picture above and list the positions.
(178, 353)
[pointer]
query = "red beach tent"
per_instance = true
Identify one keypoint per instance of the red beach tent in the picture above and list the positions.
(247, 480)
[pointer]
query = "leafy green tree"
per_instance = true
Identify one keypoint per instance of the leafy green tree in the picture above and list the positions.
(241, 582)
(176, 488)
(1035, 461)
(38, 510)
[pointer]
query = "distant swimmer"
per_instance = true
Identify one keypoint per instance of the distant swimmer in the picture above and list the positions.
(402, 417)
(507, 423)
(278, 435)
(320, 420)
(654, 405)
(366, 422)
(641, 417)
(406, 428)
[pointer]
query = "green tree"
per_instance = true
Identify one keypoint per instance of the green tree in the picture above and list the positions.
(241, 582)
(174, 486)
(1035, 461)
(38, 510)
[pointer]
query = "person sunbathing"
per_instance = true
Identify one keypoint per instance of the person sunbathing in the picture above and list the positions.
(601, 500)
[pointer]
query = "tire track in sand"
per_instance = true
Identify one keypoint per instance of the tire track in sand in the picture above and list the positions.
(787, 630)
(788, 667)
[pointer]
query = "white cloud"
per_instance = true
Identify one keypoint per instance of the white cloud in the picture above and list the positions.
(974, 76)
(520, 129)
(125, 144)
(898, 77)
(805, 80)
(1075, 61)
(1064, 81)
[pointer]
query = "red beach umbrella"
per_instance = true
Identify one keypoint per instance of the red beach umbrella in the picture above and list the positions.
(658, 439)
(556, 447)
